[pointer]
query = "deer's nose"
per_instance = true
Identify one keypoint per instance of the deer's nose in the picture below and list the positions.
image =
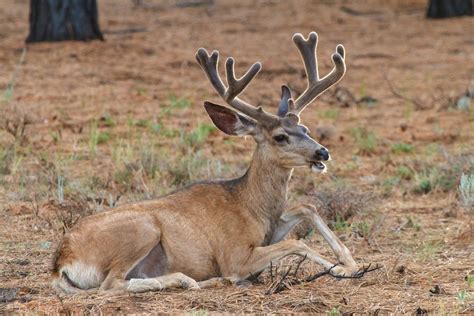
(322, 154)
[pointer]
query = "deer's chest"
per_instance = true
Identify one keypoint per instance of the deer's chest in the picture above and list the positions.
(270, 226)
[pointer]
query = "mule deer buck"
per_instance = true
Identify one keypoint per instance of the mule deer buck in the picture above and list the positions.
(218, 231)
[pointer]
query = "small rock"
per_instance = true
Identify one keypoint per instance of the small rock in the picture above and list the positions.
(8, 294)
(22, 262)
(464, 103)
(368, 100)
(437, 289)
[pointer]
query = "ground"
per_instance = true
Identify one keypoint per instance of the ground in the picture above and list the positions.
(90, 125)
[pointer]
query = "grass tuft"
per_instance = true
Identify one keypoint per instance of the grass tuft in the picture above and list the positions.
(365, 141)
(402, 148)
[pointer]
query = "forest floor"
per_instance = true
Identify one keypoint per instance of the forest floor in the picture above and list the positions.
(85, 126)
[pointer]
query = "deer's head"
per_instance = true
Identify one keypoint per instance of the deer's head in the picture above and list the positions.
(282, 137)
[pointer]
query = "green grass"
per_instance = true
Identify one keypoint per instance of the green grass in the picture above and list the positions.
(469, 280)
(444, 177)
(424, 184)
(8, 92)
(428, 250)
(96, 137)
(335, 311)
(199, 134)
(103, 137)
(365, 141)
(413, 223)
(149, 161)
(141, 123)
(402, 148)
(362, 228)
(10, 159)
(174, 103)
(388, 185)
(156, 127)
(462, 296)
(404, 172)
(340, 225)
(124, 177)
(107, 120)
(55, 136)
(141, 91)
(330, 114)
(178, 103)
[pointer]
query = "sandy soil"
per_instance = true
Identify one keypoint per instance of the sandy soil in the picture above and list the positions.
(415, 68)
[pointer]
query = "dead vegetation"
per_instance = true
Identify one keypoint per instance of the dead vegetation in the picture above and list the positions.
(74, 145)
(342, 203)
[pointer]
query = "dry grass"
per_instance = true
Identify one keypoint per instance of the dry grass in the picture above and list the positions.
(92, 125)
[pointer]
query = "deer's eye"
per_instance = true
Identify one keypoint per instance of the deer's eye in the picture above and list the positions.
(281, 138)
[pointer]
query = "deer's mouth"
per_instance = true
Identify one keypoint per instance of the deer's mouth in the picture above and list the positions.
(317, 166)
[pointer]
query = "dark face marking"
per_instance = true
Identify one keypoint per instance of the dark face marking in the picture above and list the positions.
(299, 131)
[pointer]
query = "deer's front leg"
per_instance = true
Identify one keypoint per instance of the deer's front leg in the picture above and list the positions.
(290, 218)
(262, 257)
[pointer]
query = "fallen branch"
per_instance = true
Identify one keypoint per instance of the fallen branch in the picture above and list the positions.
(359, 274)
(418, 105)
(284, 283)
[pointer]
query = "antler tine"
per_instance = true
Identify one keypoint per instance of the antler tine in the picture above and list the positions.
(209, 64)
(237, 86)
(307, 49)
(316, 86)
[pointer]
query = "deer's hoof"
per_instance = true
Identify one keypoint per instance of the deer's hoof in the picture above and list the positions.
(344, 271)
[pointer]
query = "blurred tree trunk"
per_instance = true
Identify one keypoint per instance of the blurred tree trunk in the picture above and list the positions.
(59, 20)
(449, 8)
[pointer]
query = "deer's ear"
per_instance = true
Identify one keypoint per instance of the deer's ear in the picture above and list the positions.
(284, 106)
(229, 121)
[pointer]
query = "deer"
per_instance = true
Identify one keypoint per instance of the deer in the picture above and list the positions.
(220, 231)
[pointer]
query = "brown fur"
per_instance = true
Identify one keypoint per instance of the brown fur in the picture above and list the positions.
(205, 230)
(227, 230)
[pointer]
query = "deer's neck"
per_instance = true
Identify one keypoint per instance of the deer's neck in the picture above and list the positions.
(263, 188)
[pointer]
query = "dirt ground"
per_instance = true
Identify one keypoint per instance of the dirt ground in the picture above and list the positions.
(122, 120)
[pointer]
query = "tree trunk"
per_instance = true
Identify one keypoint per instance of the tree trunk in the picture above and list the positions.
(449, 8)
(60, 20)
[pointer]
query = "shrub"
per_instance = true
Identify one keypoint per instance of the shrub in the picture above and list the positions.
(341, 203)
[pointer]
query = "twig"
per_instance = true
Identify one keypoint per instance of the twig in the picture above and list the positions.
(418, 104)
(282, 285)
(299, 264)
(320, 274)
(271, 271)
(359, 274)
